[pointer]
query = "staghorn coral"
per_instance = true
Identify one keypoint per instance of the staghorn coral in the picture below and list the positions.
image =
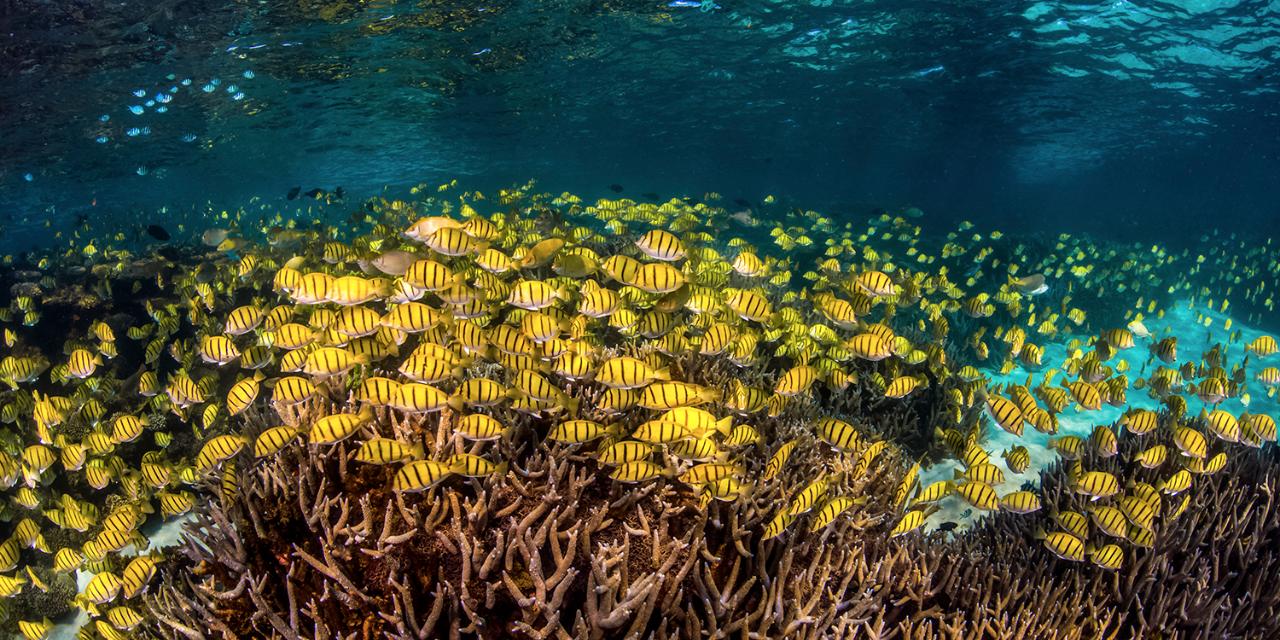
(1212, 572)
(316, 546)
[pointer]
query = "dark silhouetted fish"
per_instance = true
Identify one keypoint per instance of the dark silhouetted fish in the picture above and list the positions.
(649, 195)
(947, 526)
(742, 202)
(158, 232)
(327, 195)
(615, 187)
(169, 253)
(293, 193)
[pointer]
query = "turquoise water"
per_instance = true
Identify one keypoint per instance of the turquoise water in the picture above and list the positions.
(1185, 319)
(165, 163)
(1129, 118)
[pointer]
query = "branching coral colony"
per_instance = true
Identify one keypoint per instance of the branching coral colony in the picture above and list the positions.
(525, 417)
(558, 549)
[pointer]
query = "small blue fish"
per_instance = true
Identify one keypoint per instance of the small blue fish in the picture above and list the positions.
(137, 109)
(248, 74)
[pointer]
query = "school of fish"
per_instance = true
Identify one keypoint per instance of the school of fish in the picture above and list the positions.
(529, 317)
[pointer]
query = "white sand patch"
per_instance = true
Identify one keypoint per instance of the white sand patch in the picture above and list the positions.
(168, 534)
(1193, 339)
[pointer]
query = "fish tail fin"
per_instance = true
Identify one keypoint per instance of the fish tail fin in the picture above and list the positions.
(724, 426)
(447, 319)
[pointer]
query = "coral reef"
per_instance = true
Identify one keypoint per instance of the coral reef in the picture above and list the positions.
(345, 504)
(314, 545)
(37, 604)
(1213, 572)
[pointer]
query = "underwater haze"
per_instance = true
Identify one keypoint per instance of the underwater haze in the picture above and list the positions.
(593, 319)
(1124, 118)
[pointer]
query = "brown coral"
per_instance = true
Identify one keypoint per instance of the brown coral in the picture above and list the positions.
(318, 547)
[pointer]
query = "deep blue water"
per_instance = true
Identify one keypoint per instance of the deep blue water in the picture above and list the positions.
(1139, 120)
